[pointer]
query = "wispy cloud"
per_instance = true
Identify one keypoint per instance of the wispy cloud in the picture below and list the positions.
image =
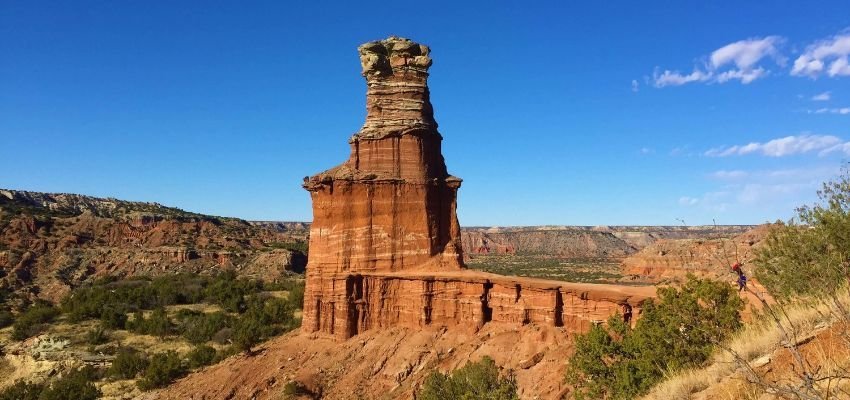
(825, 96)
(735, 61)
(785, 146)
(842, 111)
(771, 176)
(749, 189)
(647, 150)
(635, 85)
(675, 78)
(688, 201)
(828, 56)
(723, 174)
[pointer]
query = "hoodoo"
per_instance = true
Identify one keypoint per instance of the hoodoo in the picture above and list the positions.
(391, 206)
(385, 245)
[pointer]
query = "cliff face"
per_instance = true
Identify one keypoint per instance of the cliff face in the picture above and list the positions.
(671, 260)
(385, 244)
(50, 243)
(613, 242)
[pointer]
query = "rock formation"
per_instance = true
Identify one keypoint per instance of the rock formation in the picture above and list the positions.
(385, 244)
(52, 242)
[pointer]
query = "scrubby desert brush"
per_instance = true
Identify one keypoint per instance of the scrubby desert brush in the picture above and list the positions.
(805, 265)
(759, 339)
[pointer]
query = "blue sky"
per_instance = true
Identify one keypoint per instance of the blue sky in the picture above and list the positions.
(552, 112)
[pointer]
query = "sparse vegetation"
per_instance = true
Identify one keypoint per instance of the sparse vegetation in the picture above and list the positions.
(805, 265)
(678, 330)
(201, 356)
(475, 380)
(299, 246)
(22, 390)
(201, 327)
(75, 384)
(6, 318)
(182, 308)
(128, 363)
(33, 320)
(548, 267)
(97, 335)
(162, 370)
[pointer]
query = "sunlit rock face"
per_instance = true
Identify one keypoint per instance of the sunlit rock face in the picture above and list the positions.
(385, 244)
(391, 205)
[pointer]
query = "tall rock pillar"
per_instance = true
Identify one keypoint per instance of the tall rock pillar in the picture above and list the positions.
(391, 206)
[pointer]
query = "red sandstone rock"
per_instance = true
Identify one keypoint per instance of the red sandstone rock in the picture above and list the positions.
(385, 244)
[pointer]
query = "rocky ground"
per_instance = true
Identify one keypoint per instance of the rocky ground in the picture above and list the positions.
(381, 364)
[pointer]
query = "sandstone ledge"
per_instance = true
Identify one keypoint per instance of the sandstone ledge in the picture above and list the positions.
(346, 304)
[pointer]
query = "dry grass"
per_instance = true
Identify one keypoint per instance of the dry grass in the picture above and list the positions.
(758, 339)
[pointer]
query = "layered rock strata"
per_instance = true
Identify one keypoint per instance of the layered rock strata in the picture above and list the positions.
(385, 244)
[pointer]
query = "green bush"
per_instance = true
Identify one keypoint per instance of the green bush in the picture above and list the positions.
(809, 255)
(679, 329)
(22, 390)
(6, 318)
(31, 322)
(113, 318)
(75, 385)
(163, 369)
(201, 328)
(248, 333)
(97, 335)
(294, 389)
(296, 296)
(263, 318)
(157, 324)
(127, 364)
(201, 355)
(229, 292)
(476, 380)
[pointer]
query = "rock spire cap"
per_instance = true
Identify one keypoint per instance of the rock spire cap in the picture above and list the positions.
(384, 57)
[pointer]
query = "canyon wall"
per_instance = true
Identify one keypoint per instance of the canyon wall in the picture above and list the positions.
(52, 242)
(385, 244)
(613, 242)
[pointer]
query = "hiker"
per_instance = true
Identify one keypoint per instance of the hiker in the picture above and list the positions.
(627, 314)
(742, 279)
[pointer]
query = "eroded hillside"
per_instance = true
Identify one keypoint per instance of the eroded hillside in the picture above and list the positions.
(50, 243)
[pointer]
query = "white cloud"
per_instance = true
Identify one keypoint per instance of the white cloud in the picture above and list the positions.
(675, 78)
(842, 111)
(777, 176)
(723, 174)
(828, 56)
(646, 150)
(734, 61)
(752, 192)
(781, 147)
(688, 201)
(745, 54)
(635, 85)
(755, 193)
(825, 96)
(746, 76)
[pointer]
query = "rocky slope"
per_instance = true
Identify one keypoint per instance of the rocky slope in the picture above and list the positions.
(52, 242)
(672, 259)
(583, 241)
(382, 364)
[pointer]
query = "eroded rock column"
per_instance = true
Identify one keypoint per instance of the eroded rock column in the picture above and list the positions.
(391, 206)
